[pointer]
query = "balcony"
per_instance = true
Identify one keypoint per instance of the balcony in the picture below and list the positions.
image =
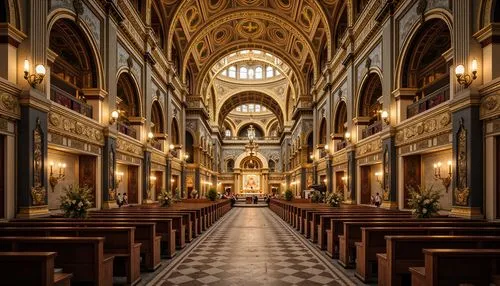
(127, 130)
(374, 128)
(66, 99)
(432, 96)
(341, 145)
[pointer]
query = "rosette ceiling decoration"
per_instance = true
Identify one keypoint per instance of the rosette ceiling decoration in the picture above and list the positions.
(202, 32)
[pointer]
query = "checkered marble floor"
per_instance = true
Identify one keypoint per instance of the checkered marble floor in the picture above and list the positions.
(251, 246)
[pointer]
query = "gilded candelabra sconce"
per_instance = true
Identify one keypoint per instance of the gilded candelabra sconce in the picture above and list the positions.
(378, 176)
(186, 157)
(36, 78)
(437, 175)
(115, 114)
(347, 136)
(119, 178)
(385, 117)
(55, 179)
(463, 78)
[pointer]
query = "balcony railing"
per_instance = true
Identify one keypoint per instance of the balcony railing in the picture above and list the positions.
(65, 99)
(434, 98)
(157, 145)
(372, 129)
(127, 130)
(341, 145)
(244, 138)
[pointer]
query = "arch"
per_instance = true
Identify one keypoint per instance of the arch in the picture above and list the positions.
(340, 120)
(244, 97)
(242, 131)
(127, 92)
(157, 23)
(10, 13)
(322, 132)
(340, 27)
(84, 35)
(273, 128)
(440, 14)
(157, 118)
(189, 143)
(368, 96)
(257, 155)
(174, 132)
(251, 162)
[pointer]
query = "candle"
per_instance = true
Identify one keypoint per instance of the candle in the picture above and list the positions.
(26, 66)
(449, 167)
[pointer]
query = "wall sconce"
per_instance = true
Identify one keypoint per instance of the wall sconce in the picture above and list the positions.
(36, 78)
(55, 179)
(151, 137)
(463, 78)
(378, 176)
(385, 116)
(326, 147)
(311, 157)
(325, 181)
(347, 136)
(119, 178)
(172, 180)
(114, 117)
(171, 146)
(186, 156)
(437, 175)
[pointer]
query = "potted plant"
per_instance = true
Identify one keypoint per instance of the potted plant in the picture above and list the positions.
(75, 201)
(212, 195)
(288, 195)
(424, 201)
(334, 199)
(165, 198)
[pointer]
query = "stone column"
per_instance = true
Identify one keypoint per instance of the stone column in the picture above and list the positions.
(389, 170)
(197, 180)
(183, 180)
(329, 174)
(108, 171)
(168, 174)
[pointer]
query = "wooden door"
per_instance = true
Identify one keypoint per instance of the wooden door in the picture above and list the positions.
(2, 179)
(412, 175)
(133, 184)
(158, 185)
(87, 173)
(366, 190)
(339, 182)
(497, 167)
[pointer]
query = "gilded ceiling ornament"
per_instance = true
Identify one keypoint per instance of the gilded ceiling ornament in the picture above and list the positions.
(490, 102)
(9, 101)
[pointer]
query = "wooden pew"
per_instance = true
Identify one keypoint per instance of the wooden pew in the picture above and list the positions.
(373, 242)
(119, 241)
(177, 223)
(458, 267)
(82, 256)
(163, 229)
(14, 267)
(404, 251)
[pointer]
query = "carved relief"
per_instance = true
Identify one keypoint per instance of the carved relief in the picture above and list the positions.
(418, 130)
(129, 147)
(66, 125)
(385, 183)
(38, 191)
(9, 103)
(462, 191)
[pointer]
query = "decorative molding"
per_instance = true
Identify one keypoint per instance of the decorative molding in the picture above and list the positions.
(462, 190)
(125, 146)
(490, 106)
(368, 148)
(67, 126)
(423, 128)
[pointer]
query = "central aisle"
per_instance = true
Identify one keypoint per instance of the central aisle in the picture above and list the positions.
(250, 246)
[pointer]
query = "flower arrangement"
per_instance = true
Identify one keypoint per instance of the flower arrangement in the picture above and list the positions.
(334, 199)
(212, 195)
(165, 198)
(424, 201)
(194, 194)
(178, 197)
(75, 201)
(316, 197)
(288, 195)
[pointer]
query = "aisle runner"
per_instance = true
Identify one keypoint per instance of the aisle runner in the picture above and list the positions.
(250, 246)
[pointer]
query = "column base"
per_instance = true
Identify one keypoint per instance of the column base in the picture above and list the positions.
(466, 212)
(109, 205)
(33, 211)
(349, 202)
(389, 205)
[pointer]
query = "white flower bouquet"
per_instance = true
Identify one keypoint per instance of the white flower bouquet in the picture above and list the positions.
(165, 198)
(424, 201)
(334, 199)
(76, 201)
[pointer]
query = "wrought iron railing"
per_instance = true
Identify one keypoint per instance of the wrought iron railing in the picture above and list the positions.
(66, 99)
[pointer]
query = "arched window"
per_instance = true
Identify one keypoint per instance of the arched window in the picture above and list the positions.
(228, 133)
(258, 73)
(322, 131)
(224, 72)
(251, 107)
(425, 68)
(74, 67)
(243, 73)
(244, 108)
(272, 165)
(156, 118)
(269, 72)
(174, 133)
(369, 105)
(341, 119)
(251, 74)
(189, 147)
(230, 165)
(257, 108)
(232, 71)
